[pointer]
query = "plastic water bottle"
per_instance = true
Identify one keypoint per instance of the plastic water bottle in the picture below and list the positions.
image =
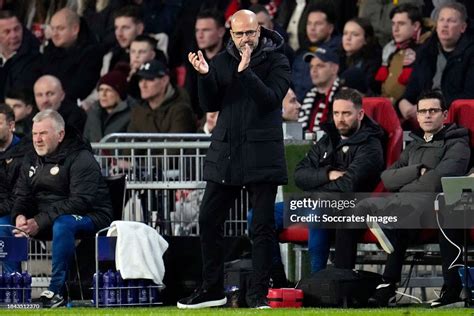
(143, 292)
(153, 292)
(16, 291)
(132, 292)
(8, 288)
(121, 293)
(109, 288)
(100, 290)
(26, 287)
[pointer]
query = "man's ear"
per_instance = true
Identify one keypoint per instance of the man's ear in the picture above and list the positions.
(62, 133)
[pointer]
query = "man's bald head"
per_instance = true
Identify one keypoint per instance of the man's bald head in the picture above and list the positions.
(65, 26)
(244, 29)
(49, 93)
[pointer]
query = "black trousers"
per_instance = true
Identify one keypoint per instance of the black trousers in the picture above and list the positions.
(215, 206)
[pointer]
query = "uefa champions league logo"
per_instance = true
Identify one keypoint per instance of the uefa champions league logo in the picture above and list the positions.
(2, 253)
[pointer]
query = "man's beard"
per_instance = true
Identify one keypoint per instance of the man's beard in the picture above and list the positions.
(349, 131)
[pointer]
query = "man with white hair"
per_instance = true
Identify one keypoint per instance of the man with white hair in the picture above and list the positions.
(60, 193)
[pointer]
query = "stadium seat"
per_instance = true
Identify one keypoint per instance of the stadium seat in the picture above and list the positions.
(381, 111)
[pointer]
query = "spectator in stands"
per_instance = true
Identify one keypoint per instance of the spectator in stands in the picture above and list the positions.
(49, 94)
(317, 105)
(291, 16)
(360, 56)
(290, 107)
(354, 164)
(319, 30)
(378, 12)
(165, 108)
(19, 53)
(99, 16)
(142, 49)
(12, 151)
(61, 193)
(128, 23)
(399, 54)
(22, 104)
(266, 20)
(246, 84)
(437, 150)
(73, 55)
(111, 113)
(209, 31)
(445, 62)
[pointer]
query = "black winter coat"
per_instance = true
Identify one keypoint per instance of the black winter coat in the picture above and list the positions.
(247, 142)
(360, 156)
(45, 192)
(447, 155)
(10, 164)
(22, 69)
(457, 81)
(77, 67)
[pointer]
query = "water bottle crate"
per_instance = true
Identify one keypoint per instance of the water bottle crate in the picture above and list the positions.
(15, 288)
(145, 292)
(113, 291)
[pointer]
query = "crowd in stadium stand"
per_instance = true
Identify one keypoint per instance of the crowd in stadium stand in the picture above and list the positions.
(116, 66)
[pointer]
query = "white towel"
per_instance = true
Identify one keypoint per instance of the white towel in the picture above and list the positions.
(139, 251)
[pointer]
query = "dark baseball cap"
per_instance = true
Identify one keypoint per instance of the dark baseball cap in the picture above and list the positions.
(152, 69)
(325, 53)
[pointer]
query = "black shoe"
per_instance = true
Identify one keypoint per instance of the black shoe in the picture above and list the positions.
(258, 303)
(202, 298)
(51, 300)
(384, 236)
(448, 297)
(384, 295)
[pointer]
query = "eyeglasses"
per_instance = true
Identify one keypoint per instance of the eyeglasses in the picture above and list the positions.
(431, 111)
(250, 33)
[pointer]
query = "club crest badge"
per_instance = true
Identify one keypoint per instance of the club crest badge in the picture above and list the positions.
(345, 149)
(32, 171)
(54, 171)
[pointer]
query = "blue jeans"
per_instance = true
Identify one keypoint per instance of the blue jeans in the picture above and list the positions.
(318, 242)
(318, 248)
(8, 266)
(65, 228)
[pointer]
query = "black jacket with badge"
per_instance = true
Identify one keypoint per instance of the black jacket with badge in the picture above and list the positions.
(447, 155)
(247, 142)
(10, 164)
(360, 156)
(68, 181)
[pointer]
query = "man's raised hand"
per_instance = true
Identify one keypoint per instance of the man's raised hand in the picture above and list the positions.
(198, 62)
(245, 61)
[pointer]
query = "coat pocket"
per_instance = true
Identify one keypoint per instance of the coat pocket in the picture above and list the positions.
(217, 147)
(264, 148)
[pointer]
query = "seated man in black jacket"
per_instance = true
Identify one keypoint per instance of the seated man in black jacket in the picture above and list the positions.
(349, 158)
(60, 190)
